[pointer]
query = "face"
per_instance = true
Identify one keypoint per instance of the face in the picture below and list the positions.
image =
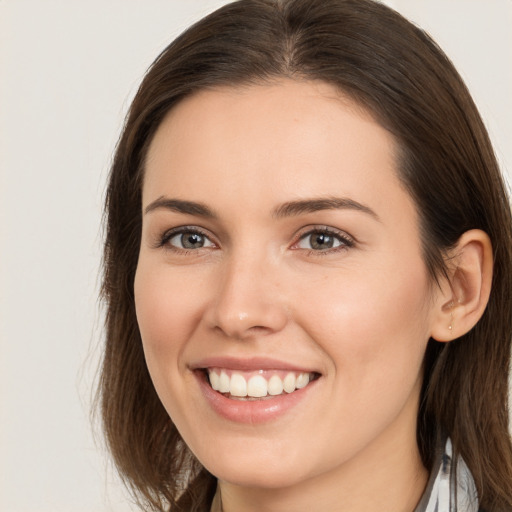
(281, 264)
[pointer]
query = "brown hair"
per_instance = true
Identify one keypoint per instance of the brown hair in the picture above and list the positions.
(399, 74)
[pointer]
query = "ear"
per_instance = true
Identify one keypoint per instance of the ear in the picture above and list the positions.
(463, 295)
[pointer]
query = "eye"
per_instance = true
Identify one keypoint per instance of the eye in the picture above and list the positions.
(321, 240)
(186, 239)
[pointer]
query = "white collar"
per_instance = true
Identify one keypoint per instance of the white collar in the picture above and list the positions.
(447, 490)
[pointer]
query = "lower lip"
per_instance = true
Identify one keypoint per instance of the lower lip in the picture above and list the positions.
(251, 411)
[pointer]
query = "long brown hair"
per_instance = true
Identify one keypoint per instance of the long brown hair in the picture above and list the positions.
(395, 71)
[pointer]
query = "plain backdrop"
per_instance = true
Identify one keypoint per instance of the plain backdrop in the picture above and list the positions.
(68, 69)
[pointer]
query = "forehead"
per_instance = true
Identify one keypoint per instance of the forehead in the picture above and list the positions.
(269, 142)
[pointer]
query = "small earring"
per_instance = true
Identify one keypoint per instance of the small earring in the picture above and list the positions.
(451, 305)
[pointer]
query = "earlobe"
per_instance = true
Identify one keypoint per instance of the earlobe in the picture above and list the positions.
(463, 299)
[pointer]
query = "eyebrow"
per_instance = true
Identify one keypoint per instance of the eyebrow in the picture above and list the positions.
(180, 206)
(288, 209)
(300, 207)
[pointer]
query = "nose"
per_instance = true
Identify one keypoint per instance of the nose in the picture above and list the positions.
(248, 301)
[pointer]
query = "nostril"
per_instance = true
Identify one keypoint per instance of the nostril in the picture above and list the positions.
(242, 334)
(259, 329)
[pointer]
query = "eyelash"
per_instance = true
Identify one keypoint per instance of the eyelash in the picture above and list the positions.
(346, 242)
(168, 235)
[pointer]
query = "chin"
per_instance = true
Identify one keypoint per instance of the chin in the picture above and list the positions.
(262, 465)
(270, 476)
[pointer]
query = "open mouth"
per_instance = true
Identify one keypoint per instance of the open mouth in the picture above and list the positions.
(258, 384)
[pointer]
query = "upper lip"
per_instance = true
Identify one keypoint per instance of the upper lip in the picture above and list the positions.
(248, 364)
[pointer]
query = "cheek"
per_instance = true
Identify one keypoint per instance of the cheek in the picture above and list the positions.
(166, 313)
(374, 332)
(374, 326)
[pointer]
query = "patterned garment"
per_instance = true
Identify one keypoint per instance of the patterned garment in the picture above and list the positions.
(444, 493)
(448, 492)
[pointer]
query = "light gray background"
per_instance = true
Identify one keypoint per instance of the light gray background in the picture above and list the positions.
(68, 69)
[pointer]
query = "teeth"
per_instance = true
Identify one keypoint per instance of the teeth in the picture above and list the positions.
(224, 382)
(302, 380)
(275, 385)
(214, 381)
(256, 386)
(289, 383)
(238, 385)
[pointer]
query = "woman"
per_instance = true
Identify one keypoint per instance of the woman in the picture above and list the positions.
(307, 272)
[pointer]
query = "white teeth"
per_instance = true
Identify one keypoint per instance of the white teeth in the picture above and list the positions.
(302, 380)
(289, 383)
(257, 386)
(238, 385)
(215, 381)
(275, 385)
(224, 382)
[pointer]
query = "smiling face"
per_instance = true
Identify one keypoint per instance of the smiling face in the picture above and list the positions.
(279, 250)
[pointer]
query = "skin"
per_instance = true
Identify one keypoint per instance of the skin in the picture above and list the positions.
(360, 314)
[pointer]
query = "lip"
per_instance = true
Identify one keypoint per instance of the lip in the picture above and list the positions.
(250, 411)
(249, 364)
